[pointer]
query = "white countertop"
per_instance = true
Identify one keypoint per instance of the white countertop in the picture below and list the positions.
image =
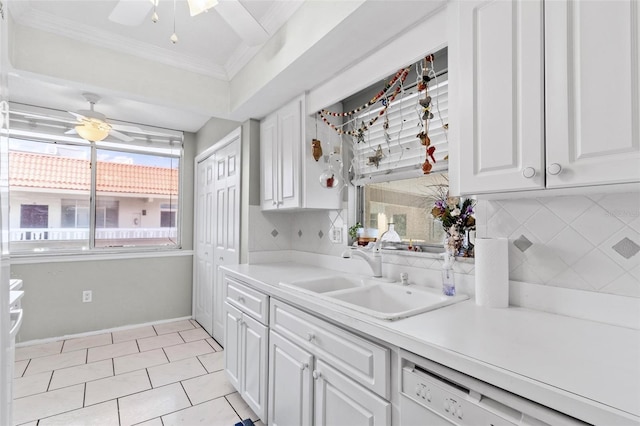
(583, 368)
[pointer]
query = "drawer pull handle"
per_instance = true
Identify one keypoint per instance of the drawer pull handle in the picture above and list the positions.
(241, 299)
(311, 337)
(316, 374)
(304, 366)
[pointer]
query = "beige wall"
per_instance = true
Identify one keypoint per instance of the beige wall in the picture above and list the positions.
(125, 292)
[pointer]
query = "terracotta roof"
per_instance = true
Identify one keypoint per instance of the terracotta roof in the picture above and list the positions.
(53, 172)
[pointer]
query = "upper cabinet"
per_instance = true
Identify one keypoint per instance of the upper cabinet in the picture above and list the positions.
(548, 94)
(290, 176)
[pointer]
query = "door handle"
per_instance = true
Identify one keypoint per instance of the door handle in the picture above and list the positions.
(554, 169)
(529, 172)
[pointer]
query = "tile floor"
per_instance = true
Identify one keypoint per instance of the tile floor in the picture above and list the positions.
(167, 374)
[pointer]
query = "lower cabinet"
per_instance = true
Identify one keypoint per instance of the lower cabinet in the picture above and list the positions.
(245, 357)
(306, 384)
(290, 383)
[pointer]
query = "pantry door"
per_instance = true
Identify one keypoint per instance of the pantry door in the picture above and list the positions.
(227, 224)
(204, 240)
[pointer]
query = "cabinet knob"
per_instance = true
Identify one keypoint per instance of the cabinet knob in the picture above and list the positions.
(529, 172)
(310, 336)
(316, 374)
(304, 366)
(275, 203)
(241, 299)
(554, 169)
(221, 259)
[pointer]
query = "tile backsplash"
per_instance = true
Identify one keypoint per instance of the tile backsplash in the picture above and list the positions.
(582, 242)
(577, 242)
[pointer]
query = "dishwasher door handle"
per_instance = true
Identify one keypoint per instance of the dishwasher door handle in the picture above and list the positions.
(16, 315)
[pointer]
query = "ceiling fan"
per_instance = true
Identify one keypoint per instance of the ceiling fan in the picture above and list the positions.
(133, 13)
(93, 126)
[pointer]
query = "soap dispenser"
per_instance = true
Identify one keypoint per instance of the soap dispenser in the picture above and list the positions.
(448, 281)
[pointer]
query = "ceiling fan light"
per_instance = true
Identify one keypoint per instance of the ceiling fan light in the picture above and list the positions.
(92, 133)
(198, 6)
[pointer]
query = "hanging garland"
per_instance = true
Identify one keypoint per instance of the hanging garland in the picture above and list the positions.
(425, 103)
(359, 133)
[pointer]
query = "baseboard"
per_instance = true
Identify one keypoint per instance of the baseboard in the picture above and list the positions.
(93, 333)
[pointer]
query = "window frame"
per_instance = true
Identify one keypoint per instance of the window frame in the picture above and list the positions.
(177, 146)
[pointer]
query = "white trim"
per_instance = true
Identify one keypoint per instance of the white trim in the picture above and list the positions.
(94, 333)
(230, 137)
(88, 257)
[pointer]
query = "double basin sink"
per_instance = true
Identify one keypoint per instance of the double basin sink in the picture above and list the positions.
(375, 297)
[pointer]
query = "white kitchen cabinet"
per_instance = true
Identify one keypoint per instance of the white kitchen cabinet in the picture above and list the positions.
(340, 401)
(317, 369)
(548, 94)
(290, 383)
(247, 347)
(592, 58)
(290, 177)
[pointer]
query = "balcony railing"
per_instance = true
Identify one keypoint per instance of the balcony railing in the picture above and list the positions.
(70, 234)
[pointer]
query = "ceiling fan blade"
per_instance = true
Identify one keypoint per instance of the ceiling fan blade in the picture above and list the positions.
(71, 132)
(242, 22)
(116, 134)
(78, 117)
(130, 12)
(126, 128)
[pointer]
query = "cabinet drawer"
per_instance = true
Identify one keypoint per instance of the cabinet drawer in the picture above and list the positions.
(248, 300)
(362, 360)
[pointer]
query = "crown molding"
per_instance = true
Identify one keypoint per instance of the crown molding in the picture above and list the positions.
(239, 58)
(28, 16)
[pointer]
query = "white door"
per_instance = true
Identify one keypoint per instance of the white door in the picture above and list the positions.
(290, 141)
(501, 89)
(290, 383)
(226, 250)
(341, 401)
(592, 92)
(268, 162)
(204, 268)
(232, 350)
(254, 349)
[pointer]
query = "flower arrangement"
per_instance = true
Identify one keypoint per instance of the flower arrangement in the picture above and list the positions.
(456, 216)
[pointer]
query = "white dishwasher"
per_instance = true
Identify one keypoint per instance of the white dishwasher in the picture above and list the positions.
(432, 394)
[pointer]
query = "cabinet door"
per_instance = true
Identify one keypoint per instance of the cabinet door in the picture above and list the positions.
(232, 350)
(290, 139)
(254, 375)
(268, 162)
(501, 96)
(341, 401)
(592, 52)
(290, 384)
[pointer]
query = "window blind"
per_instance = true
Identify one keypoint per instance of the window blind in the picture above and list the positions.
(403, 154)
(48, 125)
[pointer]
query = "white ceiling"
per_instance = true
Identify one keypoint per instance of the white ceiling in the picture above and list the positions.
(62, 48)
(207, 45)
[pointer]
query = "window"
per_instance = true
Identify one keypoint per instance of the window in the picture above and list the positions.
(393, 189)
(135, 190)
(407, 204)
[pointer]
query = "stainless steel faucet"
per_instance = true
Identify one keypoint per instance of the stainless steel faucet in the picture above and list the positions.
(374, 259)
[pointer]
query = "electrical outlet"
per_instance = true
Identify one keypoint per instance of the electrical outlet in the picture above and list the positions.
(335, 234)
(87, 296)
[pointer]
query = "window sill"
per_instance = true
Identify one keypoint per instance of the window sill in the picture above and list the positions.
(22, 259)
(424, 254)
